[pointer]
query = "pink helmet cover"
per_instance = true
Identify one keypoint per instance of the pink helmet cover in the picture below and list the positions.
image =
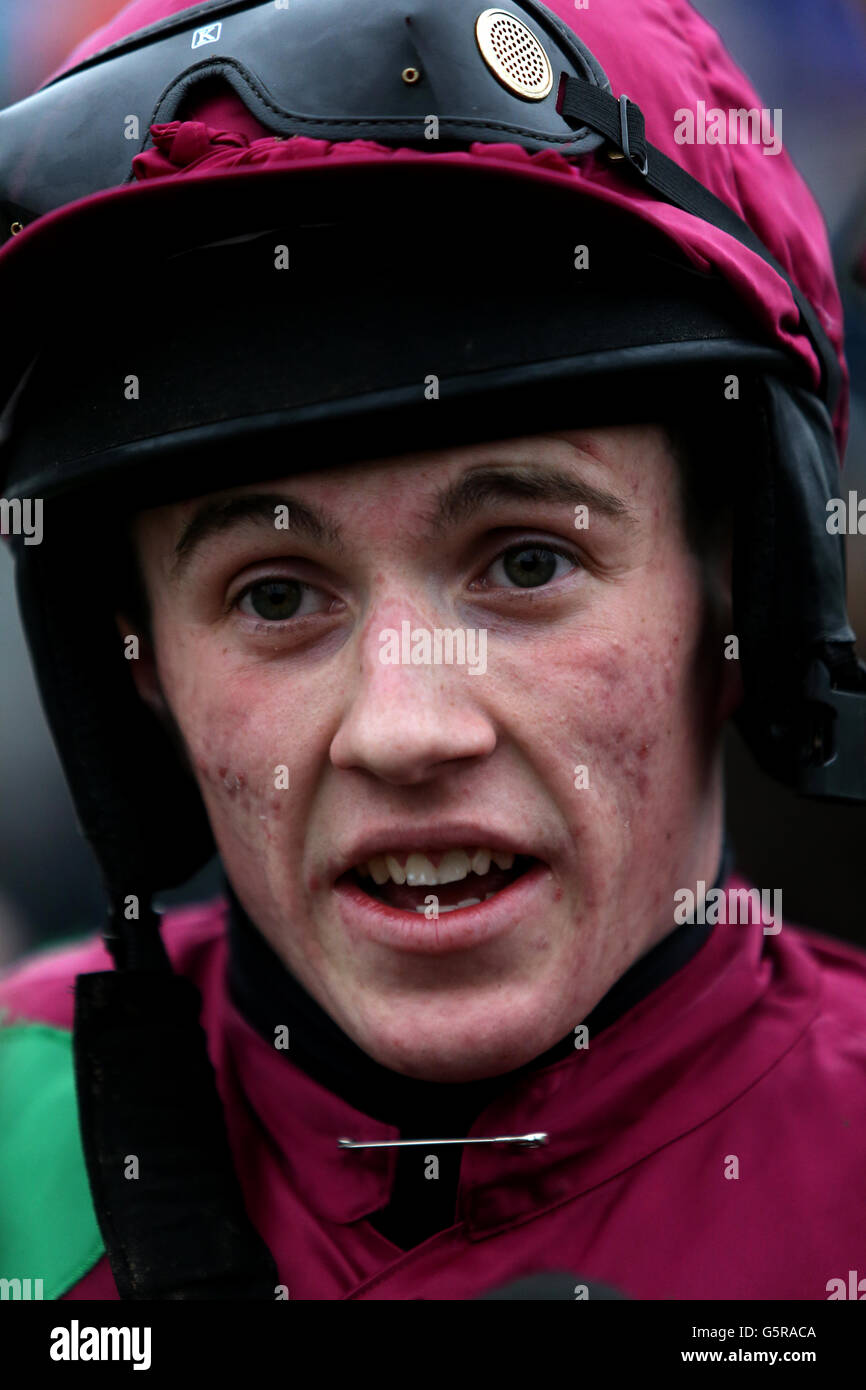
(674, 65)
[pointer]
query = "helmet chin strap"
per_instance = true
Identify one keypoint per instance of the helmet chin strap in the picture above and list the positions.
(146, 1089)
(178, 1228)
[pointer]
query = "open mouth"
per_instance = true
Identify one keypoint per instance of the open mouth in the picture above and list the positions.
(456, 878)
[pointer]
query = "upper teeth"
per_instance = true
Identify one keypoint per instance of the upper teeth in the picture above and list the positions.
(418, 871)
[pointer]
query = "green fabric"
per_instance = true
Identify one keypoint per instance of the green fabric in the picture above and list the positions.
(48, 1228)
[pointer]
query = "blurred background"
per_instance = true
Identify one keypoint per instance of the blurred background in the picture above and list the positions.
(807, 57)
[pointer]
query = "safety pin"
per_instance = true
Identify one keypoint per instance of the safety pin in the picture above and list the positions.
(526, 1141)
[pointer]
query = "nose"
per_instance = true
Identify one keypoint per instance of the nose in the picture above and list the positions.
(405, 722)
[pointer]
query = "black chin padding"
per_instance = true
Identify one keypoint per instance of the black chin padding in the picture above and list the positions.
(808, 478)
(146, 1090)
(137, 805)
(789, 572)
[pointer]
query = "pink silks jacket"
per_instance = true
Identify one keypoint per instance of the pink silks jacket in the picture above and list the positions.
(709, 1144)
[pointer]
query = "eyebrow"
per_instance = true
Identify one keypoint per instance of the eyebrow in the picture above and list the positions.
(259, 509)
(462, 499)
(485, 486)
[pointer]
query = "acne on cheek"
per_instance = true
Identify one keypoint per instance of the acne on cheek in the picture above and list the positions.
(236, 780)
(223, 780)
(237, 735)
(227, 777)
(646, 737)
(241, 804)
(619, 703)
(233, 782)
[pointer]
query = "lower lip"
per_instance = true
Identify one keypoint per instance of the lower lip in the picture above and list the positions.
(460, 930)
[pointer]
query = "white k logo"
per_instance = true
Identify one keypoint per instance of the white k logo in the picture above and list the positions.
(208, 34)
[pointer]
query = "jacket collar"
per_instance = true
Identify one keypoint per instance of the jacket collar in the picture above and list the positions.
(268, 994)
(669, 1062)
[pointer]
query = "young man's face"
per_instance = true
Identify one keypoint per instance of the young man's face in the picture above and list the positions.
(579, 730)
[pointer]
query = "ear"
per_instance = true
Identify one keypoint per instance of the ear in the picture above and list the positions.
(139, 651)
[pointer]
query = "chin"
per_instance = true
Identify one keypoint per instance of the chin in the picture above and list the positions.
(446, 1052)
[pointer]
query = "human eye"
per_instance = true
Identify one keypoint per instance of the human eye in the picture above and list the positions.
(276, 599)
(530, 564)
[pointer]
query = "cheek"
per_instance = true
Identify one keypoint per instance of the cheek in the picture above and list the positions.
(241, 741)
(628, 717)
(237, 775)
(618, 699)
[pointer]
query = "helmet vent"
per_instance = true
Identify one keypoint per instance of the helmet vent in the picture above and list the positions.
(513, 54)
